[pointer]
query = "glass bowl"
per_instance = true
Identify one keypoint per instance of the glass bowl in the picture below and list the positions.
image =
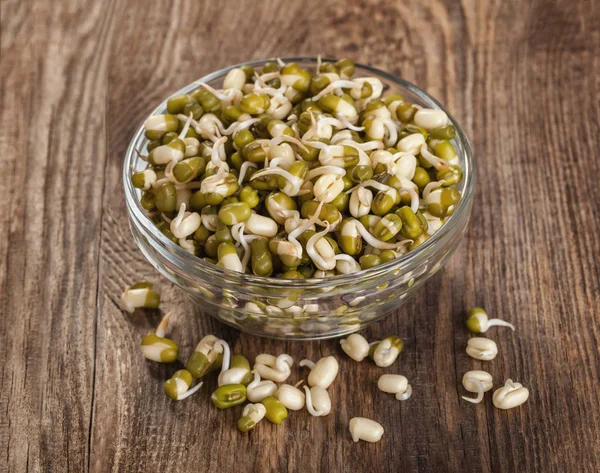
(310, 308)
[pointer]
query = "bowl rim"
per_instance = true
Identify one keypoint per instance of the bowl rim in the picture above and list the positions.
(195, 264)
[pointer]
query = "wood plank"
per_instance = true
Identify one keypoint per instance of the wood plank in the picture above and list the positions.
(52, 97)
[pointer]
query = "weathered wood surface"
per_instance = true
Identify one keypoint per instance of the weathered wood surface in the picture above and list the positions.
(77, 77)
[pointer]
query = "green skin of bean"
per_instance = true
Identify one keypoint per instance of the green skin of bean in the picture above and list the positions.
(223, 234)
(449, 197)
(166, 231)
(405, 112)
(245, 424)
(202, 234)
(293, 274)
(242, 138)
(138, 180)
(328, 67)
(369, 261)
(229, 395)
(232, 199)
(254, 152)
(249, 196)
(341, 202)
(231, 214)
(444, 150)
(318, 84)
(412, 226)
(421, 177)
(329, 212)
(175, 104)
(261, 257)
(148, 200)
(387, 255)
(346, 67)
(360, 173)
(166, 198)
(211, 247)
(198, 201)
(450, 176)
(193, 108)
(306, 271)
(188, 169)
(276, 411)
(447, 132)
(472, 321)
(382, 204)
(153, 145)
(167, 355)
(388, 227)
(231, 114)
(199, 365)
(255, 104)
(209, 102)
(351, 246)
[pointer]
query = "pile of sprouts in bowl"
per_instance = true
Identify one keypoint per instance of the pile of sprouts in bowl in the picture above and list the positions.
(292, 174)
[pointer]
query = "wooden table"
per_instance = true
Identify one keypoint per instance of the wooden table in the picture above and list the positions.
(78, 77)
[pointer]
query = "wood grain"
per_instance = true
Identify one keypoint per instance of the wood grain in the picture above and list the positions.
(77, 78)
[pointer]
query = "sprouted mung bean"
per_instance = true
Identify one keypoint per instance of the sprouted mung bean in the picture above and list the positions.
(365, 429)
(156, 347)
(318, 402)
(273, 368)
(479, 382)
(178, 386)
(291, 397)
(510, 395)
(251, 415)
(323, 372)
(355, 346)
(207, 356)
(137, 295)
(395, 384)
(482, 348)
(275, 173)
(385, 352)
(276, 412)
(478, 321)
(259, 389)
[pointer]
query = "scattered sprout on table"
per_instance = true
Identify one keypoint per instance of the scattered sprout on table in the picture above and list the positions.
(207, 356)
(318, 402)
(385, 352)
(355, 346)
(259, 389)
(323, 372)
(479, 382)
(137, 295)
(178, 386)
(276, 412)
(365, 429)
(290, 396)
(156, 347)
(273, 368)
(510, 395)
(482, 348)
(478, 321)
(395, 384)
(251, 415)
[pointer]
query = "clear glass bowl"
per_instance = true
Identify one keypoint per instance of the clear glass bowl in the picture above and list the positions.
(311, 308)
